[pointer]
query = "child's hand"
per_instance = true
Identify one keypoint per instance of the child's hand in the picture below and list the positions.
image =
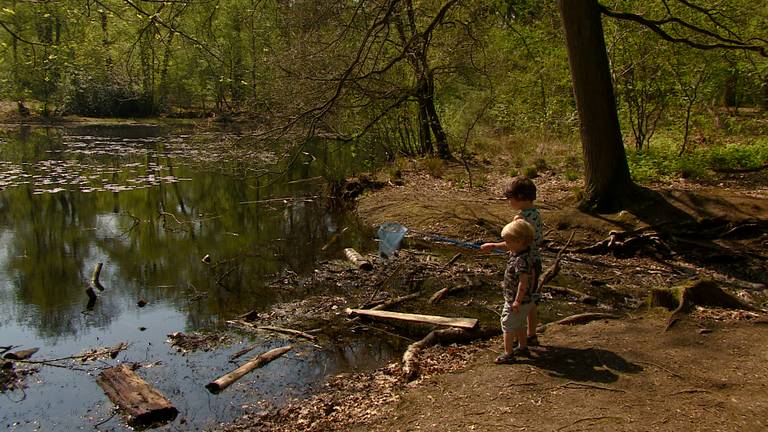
(486, 247)
(516, 306)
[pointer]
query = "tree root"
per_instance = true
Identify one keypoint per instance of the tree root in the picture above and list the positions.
(441, 337)
(554, 269)
(697, 293)
(624, 244)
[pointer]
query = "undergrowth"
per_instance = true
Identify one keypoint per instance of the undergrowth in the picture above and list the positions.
(662, 162)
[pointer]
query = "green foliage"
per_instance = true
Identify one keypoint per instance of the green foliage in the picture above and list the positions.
(530, 171)
(572, 175)
(662, 162)
(752, 155)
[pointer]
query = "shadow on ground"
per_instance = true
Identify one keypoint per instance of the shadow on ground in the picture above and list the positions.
(588, 365)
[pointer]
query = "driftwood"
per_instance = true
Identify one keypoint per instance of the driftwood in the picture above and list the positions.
(357, 259)
(138, 400)
(696, 293)
(439, 295)
(242, 352)
(586, 318)
(453, 259)
(225, 381)
(95, 285)
(583, 297)
(386, 304)
(95, 277)
(442, 337)
(554, 269)
(288, 331)
(292, 332)
(466, 323)
(21, 354)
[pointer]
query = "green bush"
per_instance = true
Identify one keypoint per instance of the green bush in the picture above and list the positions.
(661, 162)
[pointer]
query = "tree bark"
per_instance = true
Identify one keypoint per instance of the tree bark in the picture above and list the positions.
(607, 182)
(357, 259)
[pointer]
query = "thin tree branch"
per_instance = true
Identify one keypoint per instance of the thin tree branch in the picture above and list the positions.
(656, 27)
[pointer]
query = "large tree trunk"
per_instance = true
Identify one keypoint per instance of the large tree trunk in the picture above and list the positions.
(441, 140)
(606, 177)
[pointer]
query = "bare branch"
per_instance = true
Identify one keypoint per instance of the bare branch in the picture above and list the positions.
(656, 27)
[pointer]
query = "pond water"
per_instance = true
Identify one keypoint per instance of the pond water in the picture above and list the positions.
(149, 202)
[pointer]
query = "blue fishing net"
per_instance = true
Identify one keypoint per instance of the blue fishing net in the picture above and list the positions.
(390, 236)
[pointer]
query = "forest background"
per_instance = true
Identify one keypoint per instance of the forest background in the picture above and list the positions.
(440, 79)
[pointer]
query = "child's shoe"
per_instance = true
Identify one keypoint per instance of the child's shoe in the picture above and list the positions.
(522, 352)
(533, 340)
(505, 359)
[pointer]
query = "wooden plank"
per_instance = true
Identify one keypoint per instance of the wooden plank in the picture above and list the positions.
(466, 323)
(138, 400)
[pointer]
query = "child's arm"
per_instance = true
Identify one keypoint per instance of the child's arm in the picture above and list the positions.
(521, 287)
(491, 246)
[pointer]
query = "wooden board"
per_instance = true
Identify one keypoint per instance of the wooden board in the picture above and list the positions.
(466, 323)
(138, 400)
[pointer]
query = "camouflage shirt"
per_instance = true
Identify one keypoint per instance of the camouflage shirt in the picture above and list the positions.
(519, 263)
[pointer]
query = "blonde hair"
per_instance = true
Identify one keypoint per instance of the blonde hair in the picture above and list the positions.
(519, 229)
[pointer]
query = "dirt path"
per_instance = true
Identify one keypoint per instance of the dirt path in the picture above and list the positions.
(613, 375)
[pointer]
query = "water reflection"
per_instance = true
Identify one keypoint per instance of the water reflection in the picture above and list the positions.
(149, 203)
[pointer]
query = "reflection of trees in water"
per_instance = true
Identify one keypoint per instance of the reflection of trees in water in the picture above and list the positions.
(152, 240)
(47, 253)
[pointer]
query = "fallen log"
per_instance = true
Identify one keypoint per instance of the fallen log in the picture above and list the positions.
(442, 337)
(357, 259)
(466, 323)
(221, 383)
(586, 318)
(695, 293)
(142, 404)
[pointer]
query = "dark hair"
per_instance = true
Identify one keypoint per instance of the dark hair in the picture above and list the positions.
(520, 188)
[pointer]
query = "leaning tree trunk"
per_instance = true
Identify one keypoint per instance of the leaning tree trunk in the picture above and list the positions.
(441, 140)
(607, 182)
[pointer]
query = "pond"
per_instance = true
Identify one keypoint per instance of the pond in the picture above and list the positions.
(149, 202)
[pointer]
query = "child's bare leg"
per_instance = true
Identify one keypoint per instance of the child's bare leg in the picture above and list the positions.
(533, 320)
(521, 340)
(509, 342)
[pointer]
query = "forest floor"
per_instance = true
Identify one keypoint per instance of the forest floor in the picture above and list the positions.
(708, 372)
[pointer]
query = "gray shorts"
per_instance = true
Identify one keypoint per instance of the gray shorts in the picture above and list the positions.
(515, 321)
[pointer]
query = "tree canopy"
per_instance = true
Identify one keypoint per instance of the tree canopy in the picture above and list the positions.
(423, 77)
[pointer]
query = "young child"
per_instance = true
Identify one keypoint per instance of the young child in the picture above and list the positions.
(520, 283)
(521, 192)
